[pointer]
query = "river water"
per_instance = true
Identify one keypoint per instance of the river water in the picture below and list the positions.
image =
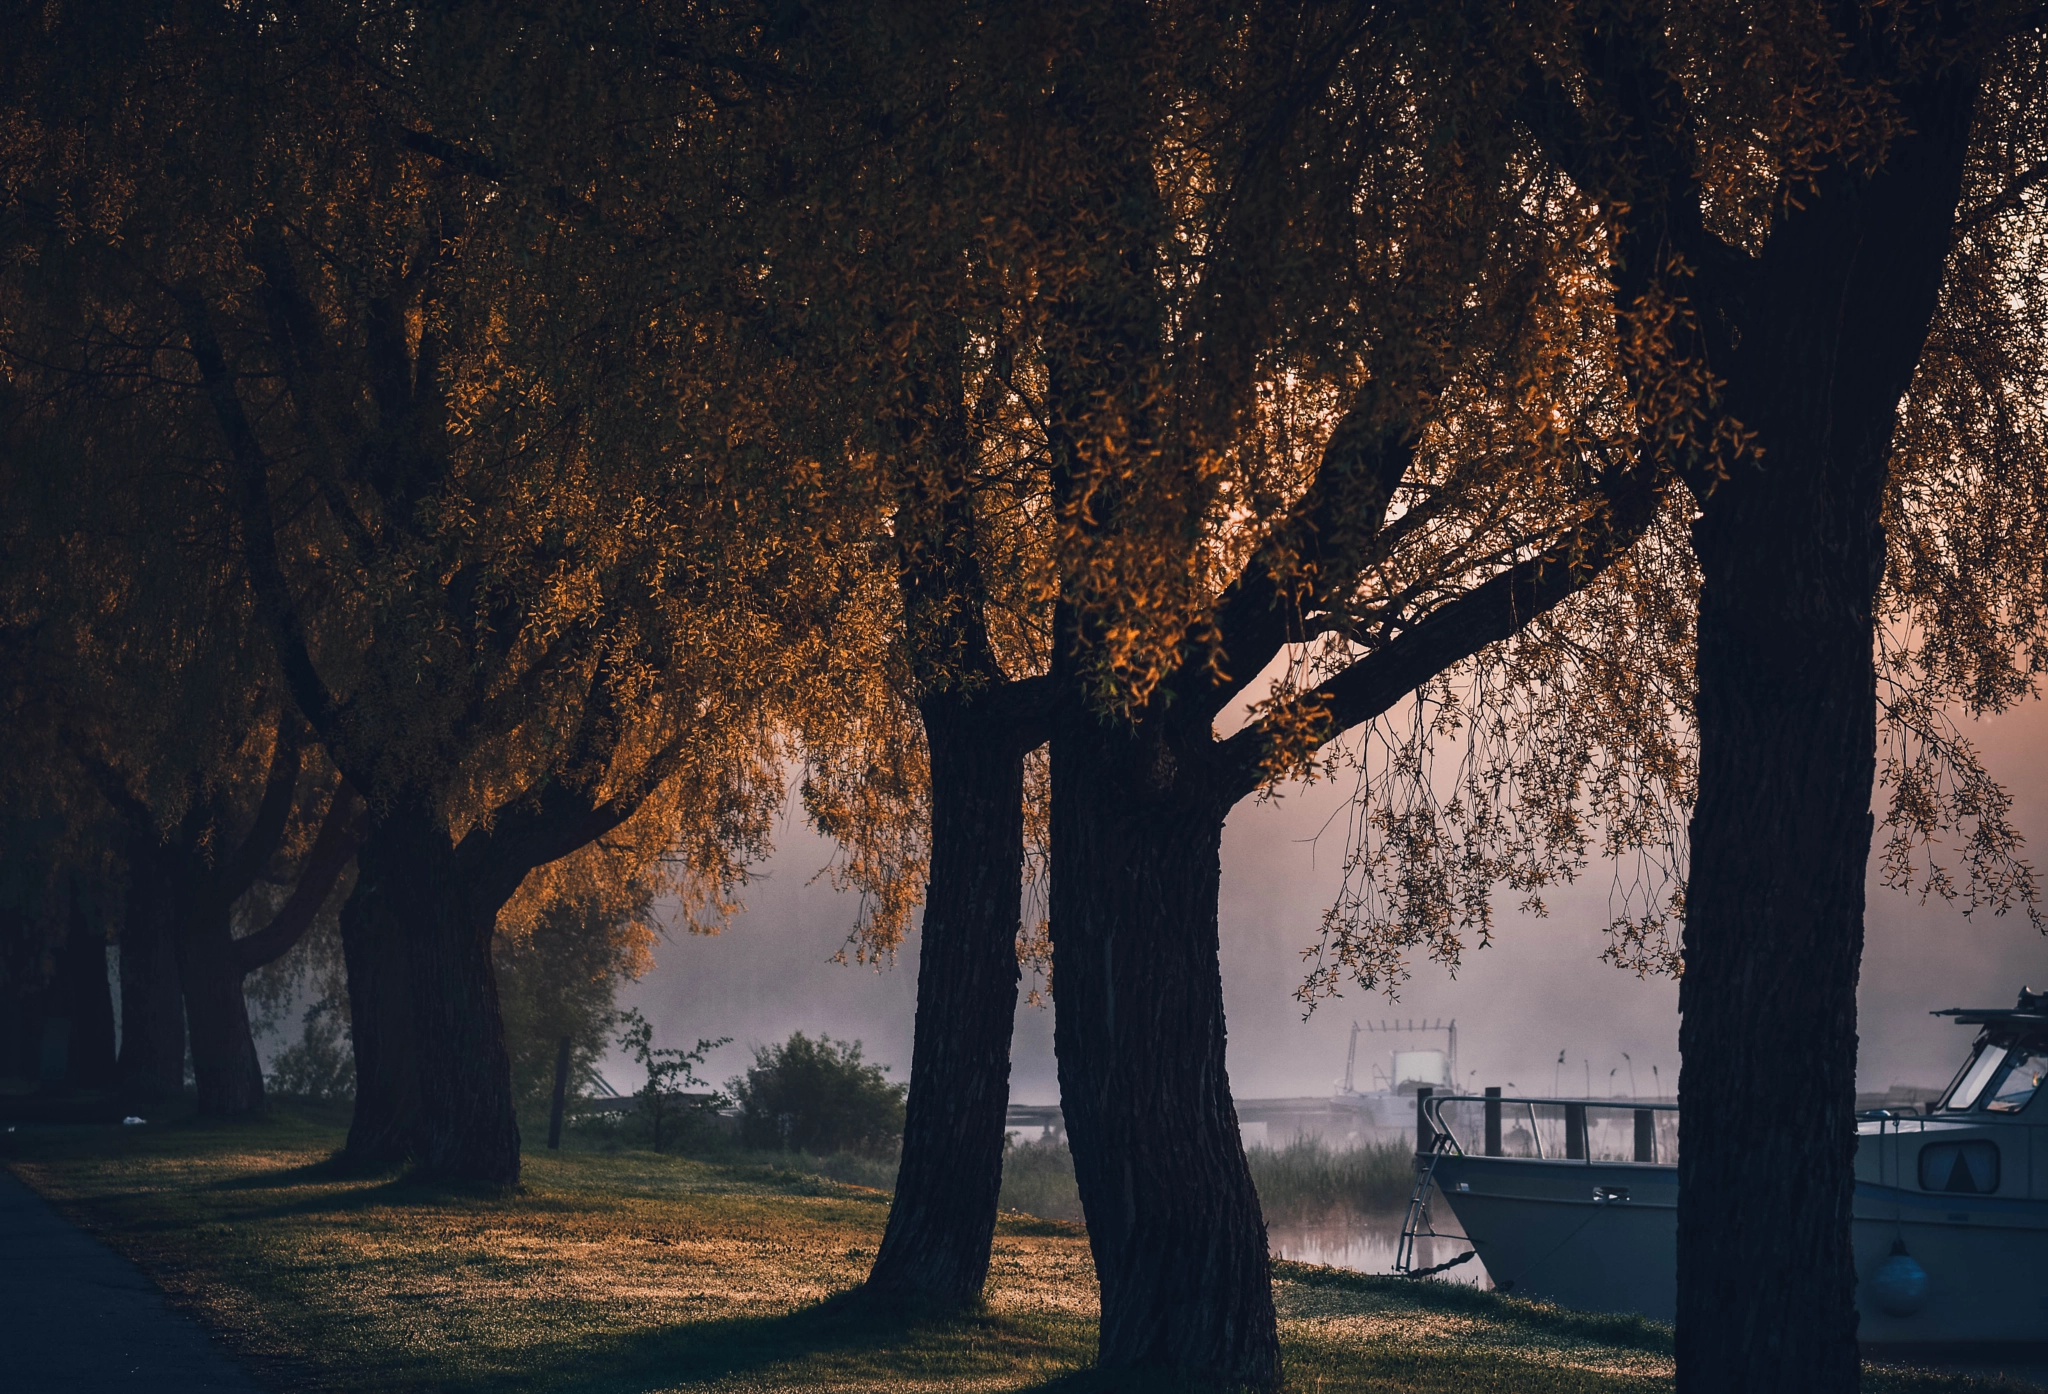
(1366, 1242)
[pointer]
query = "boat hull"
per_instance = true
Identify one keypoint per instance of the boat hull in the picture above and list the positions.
(1603, 1236)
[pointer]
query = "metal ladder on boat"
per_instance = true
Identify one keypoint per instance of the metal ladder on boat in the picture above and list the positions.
(1417, 1223)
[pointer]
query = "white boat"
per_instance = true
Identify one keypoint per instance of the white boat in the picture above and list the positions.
(1578, 1203)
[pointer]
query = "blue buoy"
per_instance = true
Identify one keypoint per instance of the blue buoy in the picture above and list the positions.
(1900, 1283)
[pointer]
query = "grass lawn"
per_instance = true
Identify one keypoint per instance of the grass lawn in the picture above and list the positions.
(634, 1272)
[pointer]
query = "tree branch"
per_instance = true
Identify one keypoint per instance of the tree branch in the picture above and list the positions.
(480, 166)
(239, 869)
(1314, 554)
(113, 788)
(259, 535)
(2006, 200)
(295, 325)
(1023, 707)
(336, 843)
(546, 824)
(1490, 612)
(1652, 177)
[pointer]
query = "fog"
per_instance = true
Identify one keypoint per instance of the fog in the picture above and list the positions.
(1539, 989)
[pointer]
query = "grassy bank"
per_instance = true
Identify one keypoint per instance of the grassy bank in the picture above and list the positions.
(634, 1272)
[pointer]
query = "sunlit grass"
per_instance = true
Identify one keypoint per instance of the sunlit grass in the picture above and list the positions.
(637, 1272)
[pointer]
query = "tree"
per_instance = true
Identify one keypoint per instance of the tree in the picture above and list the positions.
(563, 946)
(54, 916)
(669, 1071)
(205, 867)
(978, 317)
(481, 469)
(133, 666)
(1823, 194)
(906, 305)
(1288, 447)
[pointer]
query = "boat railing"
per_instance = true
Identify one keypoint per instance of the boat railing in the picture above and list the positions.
(1546, 1129)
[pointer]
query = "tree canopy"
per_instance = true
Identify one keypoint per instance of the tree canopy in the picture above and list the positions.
(553, 432)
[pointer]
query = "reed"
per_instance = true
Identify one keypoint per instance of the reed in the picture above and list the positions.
(1307, 1181)
(1038, 1179)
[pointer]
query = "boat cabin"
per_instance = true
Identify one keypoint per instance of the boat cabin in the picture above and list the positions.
(1980, 1138)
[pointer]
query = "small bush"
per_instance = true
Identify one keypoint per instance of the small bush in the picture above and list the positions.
(818, 1096)
(664, 1108)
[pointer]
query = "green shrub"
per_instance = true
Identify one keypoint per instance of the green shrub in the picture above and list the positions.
(818, 1096)
(664, 1106)
(557, 976)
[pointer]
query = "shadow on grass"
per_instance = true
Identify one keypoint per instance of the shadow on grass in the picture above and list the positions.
(1126, 1382)
(879, 1342)
(325, 1172)
(404, 1190)
(1622, 1330)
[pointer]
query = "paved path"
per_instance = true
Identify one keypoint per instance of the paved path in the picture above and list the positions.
(77, 1318)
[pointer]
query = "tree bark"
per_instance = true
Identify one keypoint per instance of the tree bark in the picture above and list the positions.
(212, 963)
(1791, 548)
(88, 999)
(433, 1076)
(225, 1067)
(465, 1128)
(373, 946)
(942, 1219)
(1173, 1219)
(152, 1063)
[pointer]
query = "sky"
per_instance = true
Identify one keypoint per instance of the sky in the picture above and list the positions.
(1538, 990)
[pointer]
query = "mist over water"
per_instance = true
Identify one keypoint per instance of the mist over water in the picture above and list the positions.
(1538, 990)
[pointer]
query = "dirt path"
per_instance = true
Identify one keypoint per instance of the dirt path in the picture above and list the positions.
(78, 1318)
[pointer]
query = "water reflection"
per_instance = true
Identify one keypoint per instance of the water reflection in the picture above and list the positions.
(1366, 1242)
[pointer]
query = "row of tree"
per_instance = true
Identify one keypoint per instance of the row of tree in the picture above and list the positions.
(497, 447)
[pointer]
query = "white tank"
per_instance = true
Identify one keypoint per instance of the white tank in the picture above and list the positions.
(1415, 1068)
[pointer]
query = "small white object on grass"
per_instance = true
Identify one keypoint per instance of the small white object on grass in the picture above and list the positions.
(131, 1120)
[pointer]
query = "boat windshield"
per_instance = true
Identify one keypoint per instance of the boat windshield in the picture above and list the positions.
(2017, 1083)
(1974, 1077)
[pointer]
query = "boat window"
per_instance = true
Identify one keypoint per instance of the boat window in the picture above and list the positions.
(1975, 1076)
(2016, 1085)
(1969, 1167)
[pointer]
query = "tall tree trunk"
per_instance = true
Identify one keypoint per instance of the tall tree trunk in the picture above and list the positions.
(942, 1220)
(88, 999)
(433, 1076)
(1173, 1219)
(152, 1063)
(374, 926)
(465, 1128)
(1774, 934)
(1791, 549)
(225, 1067)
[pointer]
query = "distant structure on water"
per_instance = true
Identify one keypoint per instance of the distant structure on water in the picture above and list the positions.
(1348, 1117)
